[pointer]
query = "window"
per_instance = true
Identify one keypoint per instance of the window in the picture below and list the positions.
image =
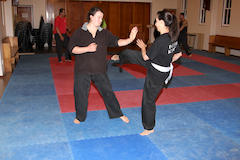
(226, 12)
(184, 7)
(202, 12)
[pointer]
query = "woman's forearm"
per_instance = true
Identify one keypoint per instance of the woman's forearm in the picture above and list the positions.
(144, 54)
(124, 42)
(79, 50)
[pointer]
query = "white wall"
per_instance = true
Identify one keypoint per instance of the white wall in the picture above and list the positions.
(39, 9)
(158, 5)
(194, 26)
(1, 55)
(213, 24)
(233, 29)
(8, 17)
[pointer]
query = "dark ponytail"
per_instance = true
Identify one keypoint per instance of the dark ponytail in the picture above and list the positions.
(170, 21)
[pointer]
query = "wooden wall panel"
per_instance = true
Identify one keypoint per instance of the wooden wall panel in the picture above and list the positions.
(146, 21)
(125, 18)
(75, 16)
(118, 15)
(138, 12)
(105, 7)
(113, 23)
(52, 9)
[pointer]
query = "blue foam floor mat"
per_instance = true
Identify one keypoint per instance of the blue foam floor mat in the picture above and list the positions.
(32, 126)
(118, 148)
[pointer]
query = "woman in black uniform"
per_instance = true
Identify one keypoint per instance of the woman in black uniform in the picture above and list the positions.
(158, 61)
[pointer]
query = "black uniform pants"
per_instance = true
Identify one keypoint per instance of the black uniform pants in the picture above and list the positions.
(62, 46)
(182, 40)
(153, 84)
(81, 91)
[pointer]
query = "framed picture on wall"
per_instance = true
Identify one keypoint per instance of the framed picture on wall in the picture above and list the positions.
(15, 2)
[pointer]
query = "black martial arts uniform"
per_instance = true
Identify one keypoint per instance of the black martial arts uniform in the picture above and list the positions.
(182, 39)
(91, 66)
(160, 53)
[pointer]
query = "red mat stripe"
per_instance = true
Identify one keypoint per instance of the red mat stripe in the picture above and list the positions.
(63, 81)
(140, 72)
(133, 98)
(216, 63)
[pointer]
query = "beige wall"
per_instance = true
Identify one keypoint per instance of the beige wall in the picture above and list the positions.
(39, 9)
(2, 23)
(159, 5)
(234, 28)
(213, 24)
(8, 18)
(194, 26)
(1, 35)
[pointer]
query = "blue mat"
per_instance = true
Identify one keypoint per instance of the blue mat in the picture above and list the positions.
(32, 126)
(118, 148)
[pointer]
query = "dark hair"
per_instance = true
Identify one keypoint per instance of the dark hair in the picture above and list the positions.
(61, 10)
(182, 13)
(156, 33)
(170, 21)
(92, 12)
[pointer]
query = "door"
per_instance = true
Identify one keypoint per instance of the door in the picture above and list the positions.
(24, 13)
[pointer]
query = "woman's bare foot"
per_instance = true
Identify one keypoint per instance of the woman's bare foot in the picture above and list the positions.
(124, 119)
(76, 121)
(146, 132)
(115, 57)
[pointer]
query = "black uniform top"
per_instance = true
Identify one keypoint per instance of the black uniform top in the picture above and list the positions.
(184, 31)
(162, 50)
(92, 62)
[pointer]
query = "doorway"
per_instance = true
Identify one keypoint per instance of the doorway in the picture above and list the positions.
(23, 13)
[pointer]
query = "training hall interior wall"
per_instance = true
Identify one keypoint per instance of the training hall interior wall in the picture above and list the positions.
(213, 23)
(1, 35)
(38, 8)
(213, 17)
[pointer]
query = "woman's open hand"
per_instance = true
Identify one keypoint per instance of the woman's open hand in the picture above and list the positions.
(141, 44)
(133, 33)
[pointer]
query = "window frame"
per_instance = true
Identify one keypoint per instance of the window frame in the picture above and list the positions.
(184, 7)
(202, 13)
(226, 12)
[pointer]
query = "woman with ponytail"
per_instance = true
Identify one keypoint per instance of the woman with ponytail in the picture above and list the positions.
(158, 61)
